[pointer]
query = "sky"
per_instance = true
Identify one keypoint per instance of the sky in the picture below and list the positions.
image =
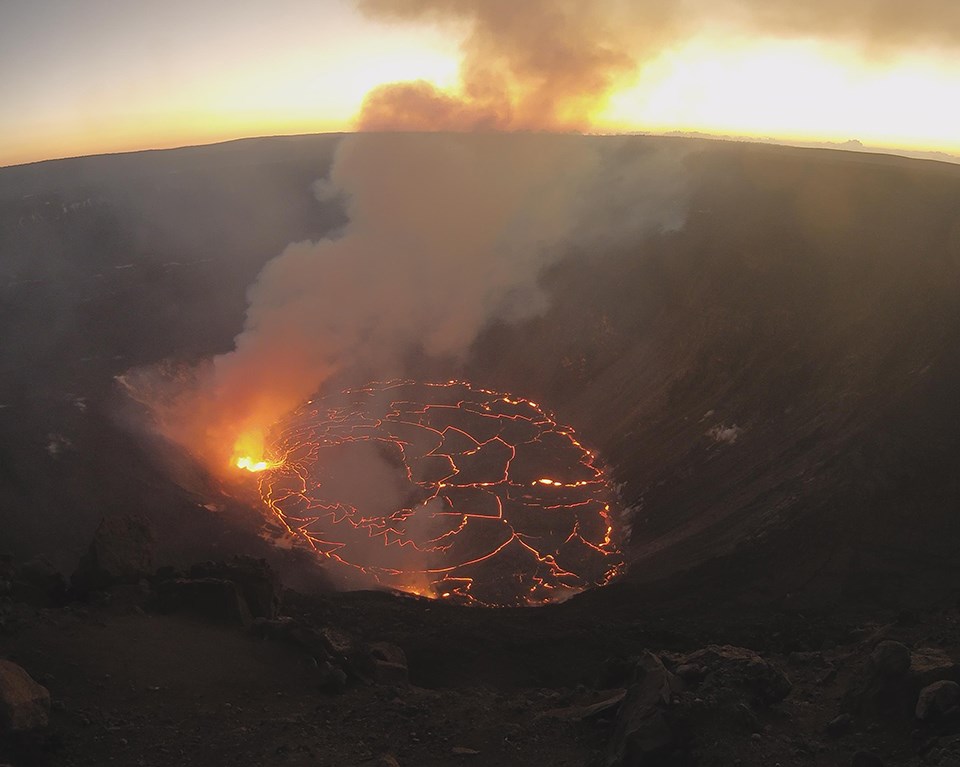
(95, 76)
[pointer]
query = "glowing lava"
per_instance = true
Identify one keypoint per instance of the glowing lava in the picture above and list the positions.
(443, 490)
(248, 451)
(251, 464)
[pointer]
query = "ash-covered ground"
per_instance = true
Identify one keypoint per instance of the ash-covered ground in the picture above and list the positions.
(773, 385)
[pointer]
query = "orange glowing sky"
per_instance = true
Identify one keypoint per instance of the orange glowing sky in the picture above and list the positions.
(106, 75)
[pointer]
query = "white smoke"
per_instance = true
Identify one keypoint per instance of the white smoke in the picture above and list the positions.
(446, 233)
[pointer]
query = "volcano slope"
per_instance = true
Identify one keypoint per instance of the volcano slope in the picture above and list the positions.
(775, 380)
(773, 386)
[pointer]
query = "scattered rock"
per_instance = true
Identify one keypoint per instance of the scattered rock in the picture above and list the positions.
(937, 699)
(24, 704)
(121, 552)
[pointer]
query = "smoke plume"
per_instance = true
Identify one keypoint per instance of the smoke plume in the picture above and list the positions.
(552, 64)
(445, 234)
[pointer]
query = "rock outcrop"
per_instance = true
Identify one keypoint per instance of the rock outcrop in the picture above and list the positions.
(24, 704)
(937, 700)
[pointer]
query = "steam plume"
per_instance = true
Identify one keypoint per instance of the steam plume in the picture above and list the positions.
(445, 233)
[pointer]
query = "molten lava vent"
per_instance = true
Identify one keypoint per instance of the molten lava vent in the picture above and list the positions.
(444, 490)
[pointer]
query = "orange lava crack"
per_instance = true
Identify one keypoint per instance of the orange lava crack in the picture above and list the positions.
(444, 490)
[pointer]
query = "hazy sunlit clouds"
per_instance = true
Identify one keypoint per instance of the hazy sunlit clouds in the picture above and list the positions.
(107, 76)
(875, 70)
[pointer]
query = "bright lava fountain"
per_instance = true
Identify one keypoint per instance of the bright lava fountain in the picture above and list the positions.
(444, 490)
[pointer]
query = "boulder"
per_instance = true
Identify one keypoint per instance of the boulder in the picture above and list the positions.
(307, 638)
(643, 733)
(341, 647)
(213, 599)
(642, 736)
(937, 699)
(385, 663)
(24, 704)
(121, 551)
(728, 668)
(258, 582)
(892, 677)
(890, 659)
(882, 685)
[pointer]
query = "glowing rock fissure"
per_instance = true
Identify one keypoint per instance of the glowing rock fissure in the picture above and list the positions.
(444, 490)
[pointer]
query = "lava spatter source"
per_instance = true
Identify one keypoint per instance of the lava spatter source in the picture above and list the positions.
(444, 490)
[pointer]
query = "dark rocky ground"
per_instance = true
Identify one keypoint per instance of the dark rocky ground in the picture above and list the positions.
(812, 301)
(175, 669)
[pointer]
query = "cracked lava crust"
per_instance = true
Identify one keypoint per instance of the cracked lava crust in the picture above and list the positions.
(443, 490)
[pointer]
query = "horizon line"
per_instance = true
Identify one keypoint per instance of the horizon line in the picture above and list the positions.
(849, 145)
